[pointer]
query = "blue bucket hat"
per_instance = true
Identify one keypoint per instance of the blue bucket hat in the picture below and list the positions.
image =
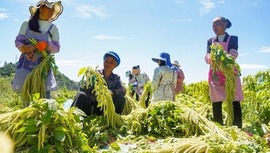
(167, 58)
(114, 55)
(164, 57)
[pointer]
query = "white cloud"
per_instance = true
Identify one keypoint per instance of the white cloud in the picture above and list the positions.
(207, 6)
(265, 49)
(253, 66)
(107, 37)
(3, 15)
(86, 11)
(221, 1)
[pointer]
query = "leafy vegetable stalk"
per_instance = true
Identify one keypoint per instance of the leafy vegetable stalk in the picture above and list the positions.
(225, 63)
(92, 77)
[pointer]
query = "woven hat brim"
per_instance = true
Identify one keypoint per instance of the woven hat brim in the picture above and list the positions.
(177, 64)
(58, 10)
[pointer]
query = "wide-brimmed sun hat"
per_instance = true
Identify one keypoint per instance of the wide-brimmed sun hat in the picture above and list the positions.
(167, 58)
(114, 55)
(176, 63)
(164, 57)
(156, 59)
(58, 8)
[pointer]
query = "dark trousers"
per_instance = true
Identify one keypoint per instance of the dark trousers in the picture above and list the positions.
(147, 100)
(217, 113)
(48, 94)
(89, 105)
(132, 95)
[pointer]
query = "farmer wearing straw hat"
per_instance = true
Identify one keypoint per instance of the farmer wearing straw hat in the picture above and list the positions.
(40, 28)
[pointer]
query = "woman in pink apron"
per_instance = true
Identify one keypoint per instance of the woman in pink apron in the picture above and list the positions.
(217, 81)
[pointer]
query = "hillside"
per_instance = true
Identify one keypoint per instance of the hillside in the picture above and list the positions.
(8, 70)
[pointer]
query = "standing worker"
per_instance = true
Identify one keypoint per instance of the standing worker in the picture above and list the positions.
(217, 84)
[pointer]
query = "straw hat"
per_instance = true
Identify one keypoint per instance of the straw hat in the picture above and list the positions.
(176, 63)
(58, 8)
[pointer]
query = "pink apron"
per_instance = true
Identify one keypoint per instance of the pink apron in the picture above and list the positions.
(217, 82)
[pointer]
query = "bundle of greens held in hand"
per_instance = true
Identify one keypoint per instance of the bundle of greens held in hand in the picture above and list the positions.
(35, 81)
(221, 61)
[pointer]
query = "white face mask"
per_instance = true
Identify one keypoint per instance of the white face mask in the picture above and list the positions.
(45, 2)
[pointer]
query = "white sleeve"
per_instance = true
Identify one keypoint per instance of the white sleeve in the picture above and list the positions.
(23, 28)
(55, 33)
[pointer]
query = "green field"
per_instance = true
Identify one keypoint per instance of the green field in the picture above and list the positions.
(181, 126)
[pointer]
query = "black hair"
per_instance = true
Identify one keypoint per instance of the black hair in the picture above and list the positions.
(136, 67)
(33, 22)
(225, 21)
(130, 76)
(162, 63)
(229, 24)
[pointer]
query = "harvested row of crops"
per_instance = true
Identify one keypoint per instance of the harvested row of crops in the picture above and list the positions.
(171, 125)
(188, 131)
(164, 119)
(45, 126)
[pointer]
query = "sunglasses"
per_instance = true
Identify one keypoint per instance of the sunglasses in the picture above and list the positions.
(46, 3)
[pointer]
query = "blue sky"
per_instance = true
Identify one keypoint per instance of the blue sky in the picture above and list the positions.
(141, 29)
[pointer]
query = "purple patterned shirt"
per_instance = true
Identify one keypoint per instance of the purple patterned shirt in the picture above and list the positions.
(114, 84)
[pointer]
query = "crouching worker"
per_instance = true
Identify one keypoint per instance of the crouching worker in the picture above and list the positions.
(86, 99)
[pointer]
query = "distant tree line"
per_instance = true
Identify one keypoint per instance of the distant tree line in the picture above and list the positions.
(63, 81)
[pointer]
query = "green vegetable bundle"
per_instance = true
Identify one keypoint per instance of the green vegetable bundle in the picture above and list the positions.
(44, 126)
(226, 64)
(92, 78)
(35, 81)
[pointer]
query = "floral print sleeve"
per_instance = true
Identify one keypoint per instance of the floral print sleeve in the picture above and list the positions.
(163, 84)
(156, 79)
